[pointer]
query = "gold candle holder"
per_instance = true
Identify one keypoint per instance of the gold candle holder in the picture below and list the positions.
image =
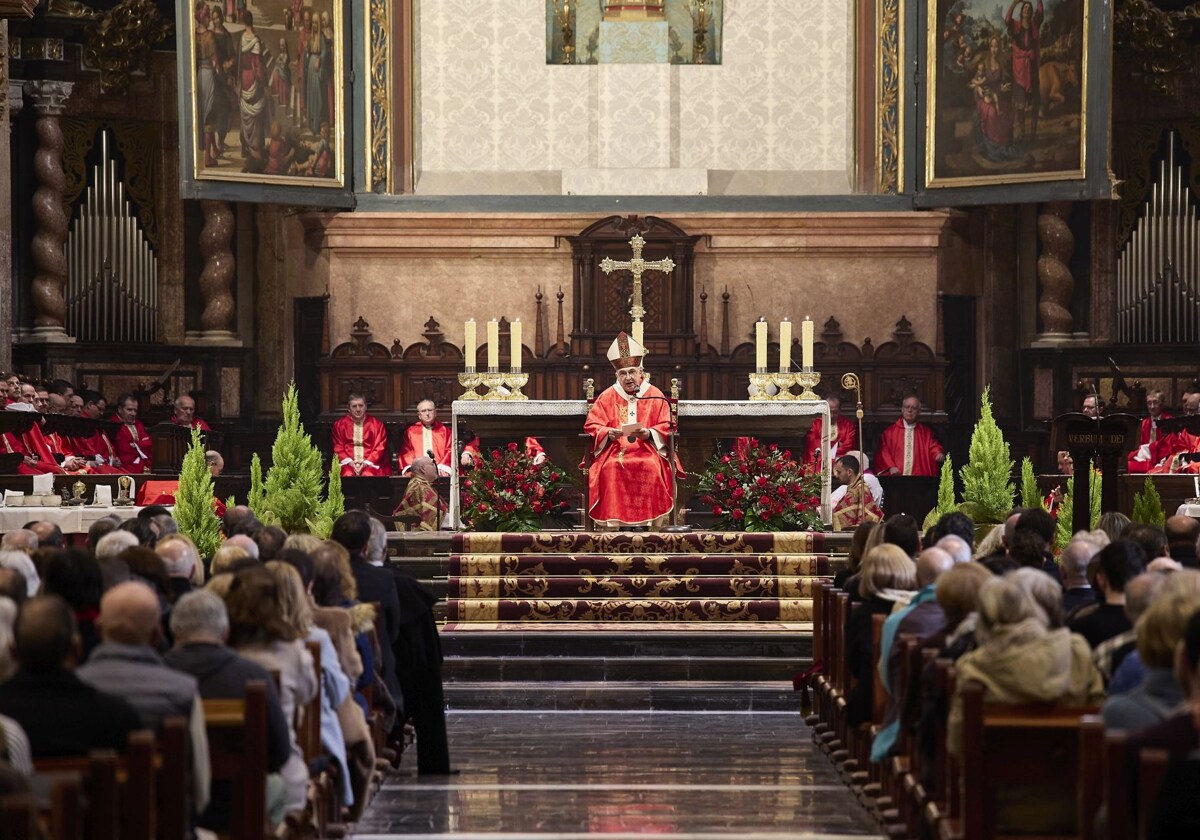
(493, 380)
(515, 381)
(469, 380)
(760, 380)
(807, 380)
(784, 380)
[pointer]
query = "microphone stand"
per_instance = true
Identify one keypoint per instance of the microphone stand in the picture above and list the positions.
(672, 428)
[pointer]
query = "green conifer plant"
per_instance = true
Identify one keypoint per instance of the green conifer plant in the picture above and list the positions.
(1147, 505)
(987, 478)
(1030, 495)
(333, 506)
(194, 500)
(945, 497)
(256, 499)
(293, 485)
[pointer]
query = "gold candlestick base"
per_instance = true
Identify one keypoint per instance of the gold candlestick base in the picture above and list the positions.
(469, 380)
(784, 380)
(493, 381)
(807, 380)
(515, 380)
(760, 381)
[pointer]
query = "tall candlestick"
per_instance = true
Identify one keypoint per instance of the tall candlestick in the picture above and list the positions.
(469, 343)
(806, 343)
(493, 344)
(760, 344)
(785, 346)
(514, 352)
(637, 332)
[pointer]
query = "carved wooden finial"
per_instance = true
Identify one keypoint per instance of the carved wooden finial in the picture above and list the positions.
(832, 333)
(560, 341)
(702, 340)
(360, 337)
(433, 337)
(539, 333)
(725, 323)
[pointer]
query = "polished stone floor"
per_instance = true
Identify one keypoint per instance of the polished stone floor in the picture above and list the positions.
(735, 775)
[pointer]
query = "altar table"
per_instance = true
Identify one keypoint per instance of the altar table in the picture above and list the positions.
(518, 418)
(72, 519)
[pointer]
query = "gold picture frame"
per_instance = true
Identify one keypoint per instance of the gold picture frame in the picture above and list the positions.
(264, 102)
(1006, 99)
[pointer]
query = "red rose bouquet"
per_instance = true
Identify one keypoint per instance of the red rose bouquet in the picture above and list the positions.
(762, 490)
(506, 491)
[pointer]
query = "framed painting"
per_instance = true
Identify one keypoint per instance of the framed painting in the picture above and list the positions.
(263, 96)
(1007, 97)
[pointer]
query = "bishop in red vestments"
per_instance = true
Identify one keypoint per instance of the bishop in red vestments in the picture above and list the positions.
(360, 441)
(1153, 444)
(185, 414)
(629, 482)
(908, 447)
(845, 434)
(425, 436)
(132, 443)
(36, 456)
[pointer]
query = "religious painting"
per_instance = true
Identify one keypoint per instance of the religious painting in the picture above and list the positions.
(1007, 83)
(264, 86)
(627, 32)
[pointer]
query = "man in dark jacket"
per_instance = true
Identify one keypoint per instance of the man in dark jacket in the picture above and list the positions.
(61, 714)
(200, 626)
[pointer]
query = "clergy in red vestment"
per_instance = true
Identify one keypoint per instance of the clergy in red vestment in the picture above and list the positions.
(845, 433)
(185, 414)
(132, 444)
(629, 482)
(360, 441)
(908, 447)
(1167, 453)
(36, 458)
(420, 499)
(428, 435)
(1153, 445)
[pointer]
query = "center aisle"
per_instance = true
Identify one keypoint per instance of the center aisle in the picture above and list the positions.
(573, 774)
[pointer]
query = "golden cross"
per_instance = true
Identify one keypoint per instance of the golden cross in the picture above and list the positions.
(637, 266)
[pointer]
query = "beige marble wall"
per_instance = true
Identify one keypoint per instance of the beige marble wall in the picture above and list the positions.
(492, 116)
(397, 270)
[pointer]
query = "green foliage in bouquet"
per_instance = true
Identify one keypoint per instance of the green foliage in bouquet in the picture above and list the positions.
(987, 478)
(506, 491)
(194, 500)
(762, 490)
(1147, 505)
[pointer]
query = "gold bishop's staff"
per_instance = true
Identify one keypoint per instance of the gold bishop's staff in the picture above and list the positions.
(850, 381)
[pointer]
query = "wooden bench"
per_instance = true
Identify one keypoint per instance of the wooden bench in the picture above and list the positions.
(237, 748)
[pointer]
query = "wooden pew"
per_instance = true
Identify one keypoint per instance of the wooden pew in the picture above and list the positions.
(237, 748)
(1018, 770)
(1152, 768)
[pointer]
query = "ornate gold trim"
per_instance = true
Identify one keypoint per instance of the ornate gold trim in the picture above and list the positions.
(379, 96)
(889, 99)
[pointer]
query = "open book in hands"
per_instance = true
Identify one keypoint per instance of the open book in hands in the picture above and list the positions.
(631, 429)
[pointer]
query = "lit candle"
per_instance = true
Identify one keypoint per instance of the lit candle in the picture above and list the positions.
(514, 352)
(806, 343)
(785, 346)
(760, 344)
(469, 344)
(493, 345)
(637, 332)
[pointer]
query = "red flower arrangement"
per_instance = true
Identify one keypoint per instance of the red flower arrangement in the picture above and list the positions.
(506, 491)
(762, 490)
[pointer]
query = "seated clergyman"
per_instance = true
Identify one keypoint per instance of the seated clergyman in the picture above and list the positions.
(421, 499)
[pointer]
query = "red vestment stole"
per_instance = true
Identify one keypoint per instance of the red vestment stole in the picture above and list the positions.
(629, 483)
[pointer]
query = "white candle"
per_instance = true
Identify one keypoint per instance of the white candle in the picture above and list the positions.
(514, 352)
(785, 346)
(806, 343)
(493, 344)
(760, 344)
(469, 344)
(637, 332)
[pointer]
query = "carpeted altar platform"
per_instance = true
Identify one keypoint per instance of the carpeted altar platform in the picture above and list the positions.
(617, 577)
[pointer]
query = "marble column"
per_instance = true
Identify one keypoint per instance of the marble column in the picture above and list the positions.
(216, 279)
(49, 99)
(1054, 273)
(10, 105)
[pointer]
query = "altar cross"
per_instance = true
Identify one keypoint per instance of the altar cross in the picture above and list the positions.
(637, 266)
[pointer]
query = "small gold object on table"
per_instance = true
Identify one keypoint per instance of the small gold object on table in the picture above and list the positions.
(77, 491)
(124, 491)
(760, 380)
(807, 379)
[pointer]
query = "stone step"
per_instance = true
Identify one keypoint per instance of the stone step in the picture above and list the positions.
(644, 696)
(792, 643)
(596, 669)
(620, 610)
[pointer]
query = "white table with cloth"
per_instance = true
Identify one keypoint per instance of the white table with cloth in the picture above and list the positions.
(72, 519)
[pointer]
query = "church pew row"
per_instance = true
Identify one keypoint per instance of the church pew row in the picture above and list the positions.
(1045, 771)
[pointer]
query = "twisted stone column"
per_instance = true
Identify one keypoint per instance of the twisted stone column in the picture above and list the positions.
(49, 99)
(1058, 286)
(216, 280)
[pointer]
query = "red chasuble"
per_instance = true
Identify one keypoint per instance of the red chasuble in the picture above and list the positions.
(1150, 431)
(629, 483)
(36, 445)
(856, 507)
(419, 439)
(366, 443)
(845, 439)
(97, 445)
(197, 423)
(133, 446)
(1164, 450)
(914, 451)
(14, 445)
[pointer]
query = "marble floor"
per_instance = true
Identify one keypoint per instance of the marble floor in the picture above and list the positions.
(711, 775)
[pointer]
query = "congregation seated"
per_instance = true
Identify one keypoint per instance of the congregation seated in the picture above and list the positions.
(888, 578)
(1119, 562)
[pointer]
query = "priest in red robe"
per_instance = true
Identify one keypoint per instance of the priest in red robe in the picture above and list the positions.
(132, 443)
(360, 441)
(629, 482)
(36, 458)
(185, 414)
(845, 434)
(1153, 444)
(908, 447)
(427, 435)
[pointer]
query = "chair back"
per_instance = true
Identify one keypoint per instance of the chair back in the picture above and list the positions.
(237, 747)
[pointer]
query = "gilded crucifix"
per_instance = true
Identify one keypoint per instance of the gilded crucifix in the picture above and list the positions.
(637, 266)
